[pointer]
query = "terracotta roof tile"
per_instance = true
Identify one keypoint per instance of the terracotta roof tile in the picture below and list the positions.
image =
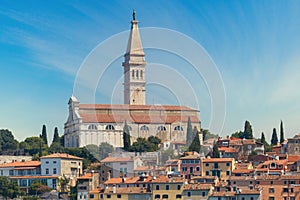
(210, 160)
(135, 107)
(228, 149)
(61, 155)
(22, 164)
(88, 176)
(33, 177)
(197, 186)
(141, 118)
(116, 159)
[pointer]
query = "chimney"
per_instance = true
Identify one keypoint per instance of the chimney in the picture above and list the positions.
(108, 175)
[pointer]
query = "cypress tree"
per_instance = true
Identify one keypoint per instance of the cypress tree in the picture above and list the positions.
(274, 139)
(44, 135)
(195, 146)
(263, 139)
(56, 135)
(248, 130)
(281, 132)
(216, 153)
(126, 137)
(189, 133)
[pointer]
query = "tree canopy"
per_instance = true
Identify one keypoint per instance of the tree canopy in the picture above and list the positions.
(281, 132)
(189, 132)
(7, 140)
(55, 135)
(143, 145)
(195, 146)
(44, 135)
(247, 133)
(274, 139)
(9, 189)
(216, 153)
(126, 137)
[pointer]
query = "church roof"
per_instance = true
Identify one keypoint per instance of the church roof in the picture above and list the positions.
(136, 107)
(140, 119)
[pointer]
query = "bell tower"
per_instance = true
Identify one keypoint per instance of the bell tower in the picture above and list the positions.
(134, 67)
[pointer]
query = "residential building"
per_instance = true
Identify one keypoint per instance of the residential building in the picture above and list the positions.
(86, 183)
(220, 167)
(122, 167)
(293, 145)
(190, 165)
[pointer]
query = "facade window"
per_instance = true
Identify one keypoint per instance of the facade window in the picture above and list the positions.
(47, 162)
(157, 187)
(137, 74)
(227, 173)
(292, 190)
(165, 196)
(11, 172)
(228, 164)
(109, 127)
(184, 169)
(54, 162)
(216, 165)
(207, 173)
(271, 190)
(157, 196)
(141, 73)
(271, 182)
(167, 187)
(178, 187)
(91, 196)
(119, 196)
(101, 196)
(285, 190)
(178, 196)
(54, 170)
(161, 128)
(92, 127)
(189, 194)
(273, 165)
(108, 196)
(144, 128)
(132, 73)
(47, 171)
(197, 169)
(178, 128)
(271, 198)
(54, 183)
(203, 194)
(207, 164)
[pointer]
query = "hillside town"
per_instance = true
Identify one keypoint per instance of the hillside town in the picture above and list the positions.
(141, 151)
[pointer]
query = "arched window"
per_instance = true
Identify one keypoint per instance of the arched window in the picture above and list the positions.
(109, 127)
(178, 128)
(144, 128)
(161, 128)
(141, 73)
(92, 127)
(137, 74)
(132, 73)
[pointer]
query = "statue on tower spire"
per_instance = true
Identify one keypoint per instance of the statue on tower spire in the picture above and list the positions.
(133, 15)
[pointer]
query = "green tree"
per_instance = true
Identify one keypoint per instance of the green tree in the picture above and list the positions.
(56, 135)
(281, 132)
(155, 140)
(44, 135)
(126, 137)
(38, 188)
(248, 130)
(9, 189)
(105, 149)
(195, 146)
(263, 139)
(216, 153)
(143, 145)
(238, 134)
(7, 140)
(189, 132)
(206, 134)
(274, 139)
(56, 147)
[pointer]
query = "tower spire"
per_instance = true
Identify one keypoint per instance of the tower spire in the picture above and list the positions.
(134, 67)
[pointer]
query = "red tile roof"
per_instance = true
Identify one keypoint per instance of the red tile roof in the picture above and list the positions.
(228, 149)
(62, 155)
(22, 164)
(33, 177)
(88, 176)
(211, 160)
(135, 107)
(116, 159)
(136, 118)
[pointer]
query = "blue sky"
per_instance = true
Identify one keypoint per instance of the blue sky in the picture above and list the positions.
(254, 44)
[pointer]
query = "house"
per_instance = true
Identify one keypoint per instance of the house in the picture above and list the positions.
(122, 166)
(86, 183)
(220, 167)
(190, 165)
(197, 191)
(228, 152)
(272, 167)
(167, 188)
(293, 145)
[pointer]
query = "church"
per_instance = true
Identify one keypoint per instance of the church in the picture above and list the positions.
(97, 123)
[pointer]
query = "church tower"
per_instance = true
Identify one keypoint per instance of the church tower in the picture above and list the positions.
(134, 68)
